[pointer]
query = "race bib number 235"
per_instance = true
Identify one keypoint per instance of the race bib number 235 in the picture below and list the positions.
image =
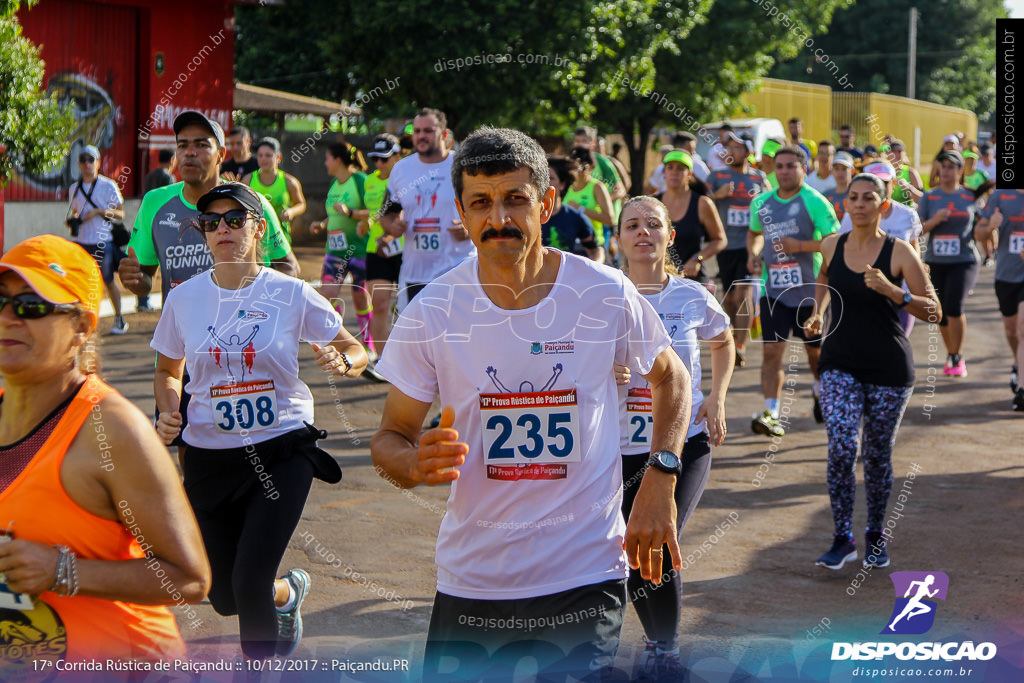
(530, 435)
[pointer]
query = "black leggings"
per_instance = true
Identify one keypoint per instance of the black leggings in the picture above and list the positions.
(953, 282)
(246, 537)
(659, 607)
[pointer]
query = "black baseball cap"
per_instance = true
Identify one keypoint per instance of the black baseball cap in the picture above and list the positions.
(243, 194)
(953, 156)
(189, 118)
(385, 146)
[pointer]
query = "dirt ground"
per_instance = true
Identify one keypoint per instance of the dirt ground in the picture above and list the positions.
(755, 606)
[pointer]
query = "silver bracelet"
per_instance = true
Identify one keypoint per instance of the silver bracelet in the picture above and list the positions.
(62, 560)
(73, 575)
(347, 362)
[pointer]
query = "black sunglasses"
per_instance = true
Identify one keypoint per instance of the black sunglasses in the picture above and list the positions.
(86, 159)
(33, 306)
(235, 219)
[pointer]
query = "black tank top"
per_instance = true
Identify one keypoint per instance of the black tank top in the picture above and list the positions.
(690, 233)
(15, 457)
(865, 338)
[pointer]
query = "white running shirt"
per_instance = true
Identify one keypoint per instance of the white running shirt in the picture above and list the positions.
(427, 197)
(536, 509)
(690, 313)
(241, 348)
(903, 223)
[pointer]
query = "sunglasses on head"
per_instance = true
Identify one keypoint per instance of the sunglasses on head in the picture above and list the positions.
(235, 219)
(32, 306)
(86, 159)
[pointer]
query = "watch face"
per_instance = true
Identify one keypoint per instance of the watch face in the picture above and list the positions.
(668, 459)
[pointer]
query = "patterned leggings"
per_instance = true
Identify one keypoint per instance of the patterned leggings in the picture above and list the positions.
(846, 405)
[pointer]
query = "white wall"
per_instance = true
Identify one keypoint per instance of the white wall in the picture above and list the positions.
(27, 219)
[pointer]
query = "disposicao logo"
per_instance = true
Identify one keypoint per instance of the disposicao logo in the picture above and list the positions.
(913, 614)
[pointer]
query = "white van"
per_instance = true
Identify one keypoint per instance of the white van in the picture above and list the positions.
(758, 130)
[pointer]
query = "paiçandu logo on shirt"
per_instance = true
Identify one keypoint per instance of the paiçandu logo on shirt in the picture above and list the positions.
(547, 348)
(252, 315)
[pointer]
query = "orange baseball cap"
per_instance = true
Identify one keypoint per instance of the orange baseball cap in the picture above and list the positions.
(58, 270)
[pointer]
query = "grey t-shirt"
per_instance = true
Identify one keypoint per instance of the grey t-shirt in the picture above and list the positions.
(790, 277)
(735, 209)
(952, 240)
(1009, 264)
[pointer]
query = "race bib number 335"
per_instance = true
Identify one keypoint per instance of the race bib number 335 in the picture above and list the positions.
(530, 435)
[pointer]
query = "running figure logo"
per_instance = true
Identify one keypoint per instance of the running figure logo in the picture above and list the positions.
(239, 354)
(913, 613)
(526, 386)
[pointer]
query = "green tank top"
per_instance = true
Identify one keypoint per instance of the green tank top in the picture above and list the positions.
(342, 240)
(899, 192)
(587, 200)
(376, 188)
(276, 192)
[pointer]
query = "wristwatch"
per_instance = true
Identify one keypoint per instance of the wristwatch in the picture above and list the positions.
(666, 461)
(907, 298)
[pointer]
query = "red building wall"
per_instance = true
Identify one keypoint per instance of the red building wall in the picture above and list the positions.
(127, 68)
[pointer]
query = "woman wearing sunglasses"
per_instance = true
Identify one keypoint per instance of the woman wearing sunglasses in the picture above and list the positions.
(251, 452)
(96, 533)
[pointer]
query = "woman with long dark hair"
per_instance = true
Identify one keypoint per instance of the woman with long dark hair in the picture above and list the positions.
(866, 365)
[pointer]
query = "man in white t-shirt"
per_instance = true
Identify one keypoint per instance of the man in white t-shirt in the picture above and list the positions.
(96, 201)
(420, 204)
(822, 179)
(518, 343)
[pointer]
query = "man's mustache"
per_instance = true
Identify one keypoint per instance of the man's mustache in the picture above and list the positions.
(506, 231)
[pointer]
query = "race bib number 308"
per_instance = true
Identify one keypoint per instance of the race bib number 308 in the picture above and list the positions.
(248, 406)
(530, 435)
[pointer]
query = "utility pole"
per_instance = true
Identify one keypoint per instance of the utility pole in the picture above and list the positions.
(912, 53)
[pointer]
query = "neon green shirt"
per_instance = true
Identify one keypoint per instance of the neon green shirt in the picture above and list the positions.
(342, 239)
(162, 237)
(588, 200)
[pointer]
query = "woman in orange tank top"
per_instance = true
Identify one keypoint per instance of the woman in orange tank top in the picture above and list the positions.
(99, 533)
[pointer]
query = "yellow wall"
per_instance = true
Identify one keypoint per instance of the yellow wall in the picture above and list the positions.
(785, 99)
(872, 115)
(906, 118)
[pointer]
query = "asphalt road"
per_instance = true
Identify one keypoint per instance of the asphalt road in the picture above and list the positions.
(753, 600)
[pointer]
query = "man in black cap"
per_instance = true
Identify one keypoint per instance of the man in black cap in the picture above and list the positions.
(160, 238)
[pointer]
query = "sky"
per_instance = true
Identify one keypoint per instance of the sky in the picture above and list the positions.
(1015, 8)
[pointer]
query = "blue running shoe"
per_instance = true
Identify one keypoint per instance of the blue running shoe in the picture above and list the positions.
(289, 624)
(843, 550)
(875, 554)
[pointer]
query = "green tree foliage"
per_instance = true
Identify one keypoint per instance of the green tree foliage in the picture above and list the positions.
(33, 129)
(955, 51)
(714, 51)
(504, 63)
(626, 65)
